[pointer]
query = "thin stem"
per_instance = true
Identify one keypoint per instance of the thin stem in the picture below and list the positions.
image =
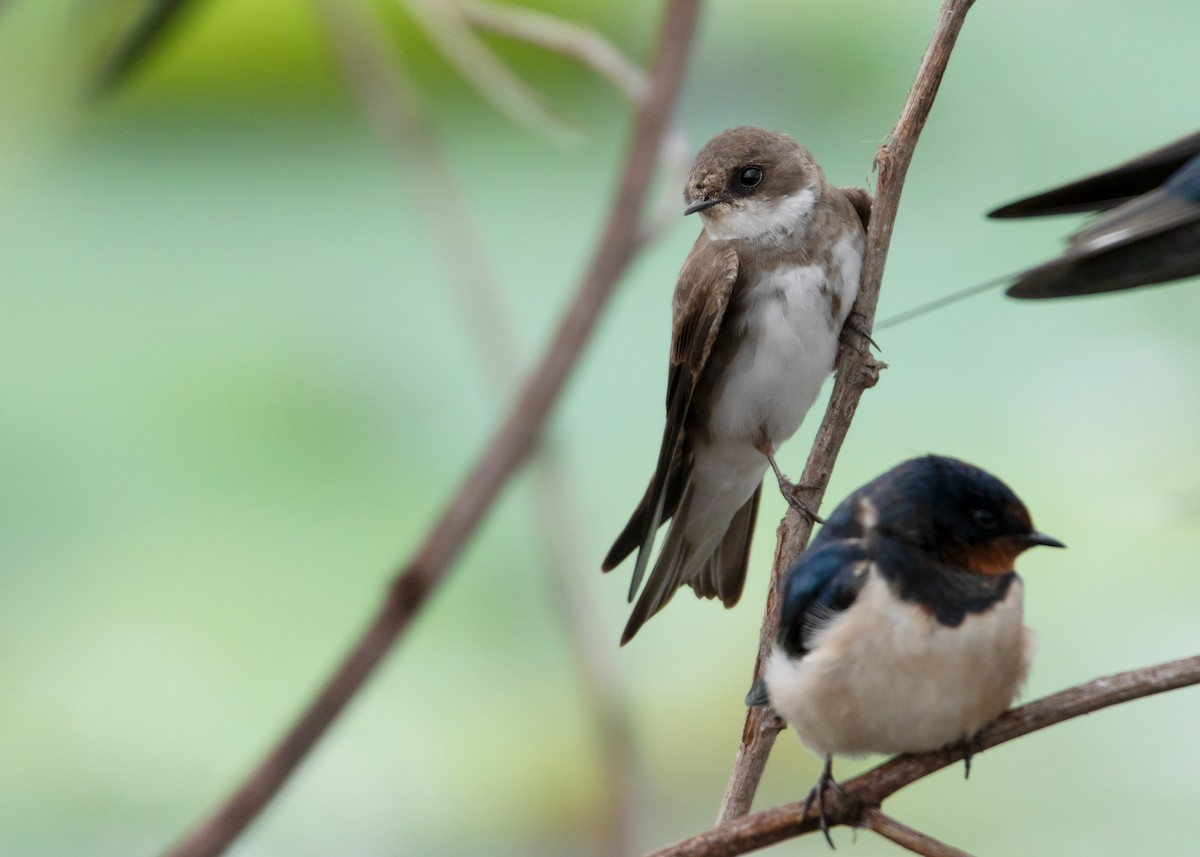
(904, 836)
(561, 36)
(510, 447)
(392, 103)
(590, 48)
(856, 371)
(444, 24)
(593, 651)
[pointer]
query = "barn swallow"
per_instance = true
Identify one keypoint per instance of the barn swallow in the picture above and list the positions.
(1150, 232)
(901, 627)
(757, 315)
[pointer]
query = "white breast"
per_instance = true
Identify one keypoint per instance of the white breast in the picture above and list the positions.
(790, 345)
(886, 677)
(774, 220)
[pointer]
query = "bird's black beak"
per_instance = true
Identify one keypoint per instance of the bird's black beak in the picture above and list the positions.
(1034, 539)
(700, 205)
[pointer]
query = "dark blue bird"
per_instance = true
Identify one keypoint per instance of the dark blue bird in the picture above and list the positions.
(901, 627)
(1150, 232)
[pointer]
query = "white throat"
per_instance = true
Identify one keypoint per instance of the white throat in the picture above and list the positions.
(761, 220)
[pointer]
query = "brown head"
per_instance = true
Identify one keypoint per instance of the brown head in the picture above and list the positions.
(751, 183)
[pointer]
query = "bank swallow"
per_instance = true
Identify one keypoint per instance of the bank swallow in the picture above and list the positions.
(758, 311)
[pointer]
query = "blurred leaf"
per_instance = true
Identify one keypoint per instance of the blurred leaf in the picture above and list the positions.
(153, 26)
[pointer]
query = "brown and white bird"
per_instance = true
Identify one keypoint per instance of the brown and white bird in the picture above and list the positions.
(757, 317)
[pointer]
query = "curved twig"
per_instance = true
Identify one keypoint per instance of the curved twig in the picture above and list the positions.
(856, 371)
(508, 450)
(600, 55)
(904, 836)
(761, 829)
(444, 24)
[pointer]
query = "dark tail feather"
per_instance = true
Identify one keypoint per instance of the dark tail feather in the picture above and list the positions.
(724, 576)
(634, 534)
(667, 575)
(646, 547)
(630, 538)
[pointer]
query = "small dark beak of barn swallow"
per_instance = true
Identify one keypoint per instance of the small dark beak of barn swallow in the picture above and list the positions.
(701, 204)
(1034, 539)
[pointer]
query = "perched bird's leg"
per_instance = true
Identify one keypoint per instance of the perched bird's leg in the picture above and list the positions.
(968, 746)
(856, 324)
(869, 367)
(787, 488)
(971, 746)
(817, 794)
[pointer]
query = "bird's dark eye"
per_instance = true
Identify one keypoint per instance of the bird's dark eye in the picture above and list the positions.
(750, 176)
(986, 518)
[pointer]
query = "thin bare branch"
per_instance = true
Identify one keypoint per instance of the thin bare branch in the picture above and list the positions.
(510, 447)
(856, 372)
(589, 47)
(445, 25)
(906, 837)
(761, 829)
(593, 651)
(392, 103)
(561, 36)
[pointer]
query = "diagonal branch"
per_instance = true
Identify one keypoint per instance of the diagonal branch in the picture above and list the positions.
(761, 829)
(508, 450)
(904, 836)
(856, 371)
(155, 21)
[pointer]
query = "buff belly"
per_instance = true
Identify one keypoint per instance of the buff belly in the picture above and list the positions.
(886, 677)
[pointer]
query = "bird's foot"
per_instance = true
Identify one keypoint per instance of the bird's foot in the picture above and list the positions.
(968, 747)
(856, 324)
(853, 332)
(790, 490)
(817, 797)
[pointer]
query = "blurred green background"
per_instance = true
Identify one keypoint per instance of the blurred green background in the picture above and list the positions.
(235, 389)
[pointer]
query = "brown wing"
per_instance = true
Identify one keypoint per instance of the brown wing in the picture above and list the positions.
(860, 198)
(701, 297)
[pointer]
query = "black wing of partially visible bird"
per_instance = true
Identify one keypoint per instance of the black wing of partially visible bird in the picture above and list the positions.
(1149, 231)
(1108, 189)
